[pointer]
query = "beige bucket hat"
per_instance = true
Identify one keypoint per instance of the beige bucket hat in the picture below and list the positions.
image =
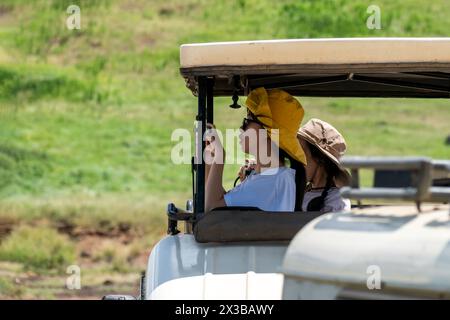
(330, 142)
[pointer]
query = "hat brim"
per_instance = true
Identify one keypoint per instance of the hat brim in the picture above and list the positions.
(344, 178)
(286, 139)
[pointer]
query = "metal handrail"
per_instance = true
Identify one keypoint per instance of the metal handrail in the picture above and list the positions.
(421, 191)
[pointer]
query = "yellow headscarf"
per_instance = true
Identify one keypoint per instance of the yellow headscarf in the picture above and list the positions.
(277, 109)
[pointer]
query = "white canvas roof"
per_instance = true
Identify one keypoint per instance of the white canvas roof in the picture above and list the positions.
(358, 67)
(316, 51)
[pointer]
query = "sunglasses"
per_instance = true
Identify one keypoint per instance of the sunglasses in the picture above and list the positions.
(247, 121)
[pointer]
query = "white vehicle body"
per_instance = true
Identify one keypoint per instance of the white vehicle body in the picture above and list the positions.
(181, 268)
(376, 253)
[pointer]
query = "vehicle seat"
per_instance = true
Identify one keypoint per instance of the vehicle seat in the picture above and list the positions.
(236, 224)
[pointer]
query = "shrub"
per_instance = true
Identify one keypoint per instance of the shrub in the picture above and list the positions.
(38, 248)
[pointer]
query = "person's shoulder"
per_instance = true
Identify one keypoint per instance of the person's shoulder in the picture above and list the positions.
(276, 175)
(334, 192)
(288, 174)
(335, 201)
(285, 178)
(287, 171)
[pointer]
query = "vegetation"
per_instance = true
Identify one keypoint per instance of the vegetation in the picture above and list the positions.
(39, 248)
(86, 115)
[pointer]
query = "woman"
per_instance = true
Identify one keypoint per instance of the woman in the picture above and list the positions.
(269, 134)
(323, 146)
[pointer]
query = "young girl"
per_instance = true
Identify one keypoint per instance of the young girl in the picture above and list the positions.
(324, 146)
(269, 133)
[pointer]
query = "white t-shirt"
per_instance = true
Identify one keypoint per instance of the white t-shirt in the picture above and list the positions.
(271, 190)
(333, 202)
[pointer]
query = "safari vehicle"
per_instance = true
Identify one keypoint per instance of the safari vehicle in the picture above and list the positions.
(245, 253)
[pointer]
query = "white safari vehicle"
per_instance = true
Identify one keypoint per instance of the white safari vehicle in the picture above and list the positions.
(395, 242)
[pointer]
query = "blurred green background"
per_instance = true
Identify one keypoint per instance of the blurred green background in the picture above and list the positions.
(86, 118)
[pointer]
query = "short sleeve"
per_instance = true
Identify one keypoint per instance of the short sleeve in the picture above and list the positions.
(249, 194)
(334, 202)
(234, 196)
(275, 192)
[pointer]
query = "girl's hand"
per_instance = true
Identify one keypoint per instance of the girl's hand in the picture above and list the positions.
(209, 153)
(209, 147)
(214, 151)
(250, 164)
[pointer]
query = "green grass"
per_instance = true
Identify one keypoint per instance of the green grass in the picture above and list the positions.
(8, 289)
(39, 248)
(342, 18)
(142, 215)
(86, 116)
(91, 111)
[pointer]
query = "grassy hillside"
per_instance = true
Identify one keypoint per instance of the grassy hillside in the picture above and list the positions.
(86, 115)
(92, 110)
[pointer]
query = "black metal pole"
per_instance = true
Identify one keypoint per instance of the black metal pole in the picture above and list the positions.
(210, 100)
(199, 205)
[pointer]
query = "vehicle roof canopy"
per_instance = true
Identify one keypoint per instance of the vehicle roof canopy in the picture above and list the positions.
(348, 67)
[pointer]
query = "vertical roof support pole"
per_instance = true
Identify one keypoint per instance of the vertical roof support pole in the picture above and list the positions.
(210, 100)
(199, 199)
